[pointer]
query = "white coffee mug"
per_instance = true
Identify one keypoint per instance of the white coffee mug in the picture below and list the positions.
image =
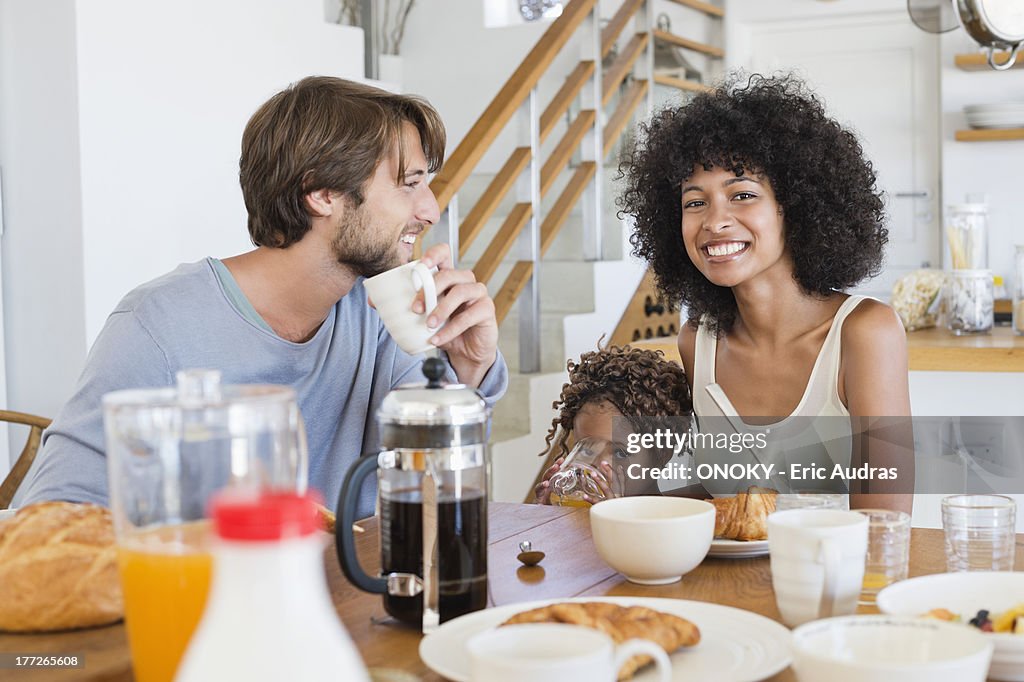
(567, 653)
(817, 560)
(392, 293)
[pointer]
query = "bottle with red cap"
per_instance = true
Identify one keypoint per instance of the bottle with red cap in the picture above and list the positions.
(269, 615)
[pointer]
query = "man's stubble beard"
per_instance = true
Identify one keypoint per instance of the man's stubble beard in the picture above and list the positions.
(354, 245)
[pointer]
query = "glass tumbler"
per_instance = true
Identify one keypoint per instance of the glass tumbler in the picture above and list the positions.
(811, 501)
(980, 532)
(888, 557)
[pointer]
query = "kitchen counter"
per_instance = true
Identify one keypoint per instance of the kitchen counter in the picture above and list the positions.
(932, 350)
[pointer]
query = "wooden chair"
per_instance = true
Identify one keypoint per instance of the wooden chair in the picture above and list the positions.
(28, 453)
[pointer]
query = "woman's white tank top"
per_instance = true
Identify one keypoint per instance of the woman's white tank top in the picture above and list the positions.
(816, 434)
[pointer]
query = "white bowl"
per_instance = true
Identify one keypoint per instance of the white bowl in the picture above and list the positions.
(873, 648)
(653, 540)
(965, 594)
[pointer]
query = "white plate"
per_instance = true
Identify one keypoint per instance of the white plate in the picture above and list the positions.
(735, 645)
(965, 594)
(7, 513)
(737, 549)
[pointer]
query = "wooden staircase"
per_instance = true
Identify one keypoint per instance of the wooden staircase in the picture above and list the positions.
(536, 201)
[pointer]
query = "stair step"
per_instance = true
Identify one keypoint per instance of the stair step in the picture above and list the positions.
(552, 341)
(566, 245)
(566, 286)
(515, 446)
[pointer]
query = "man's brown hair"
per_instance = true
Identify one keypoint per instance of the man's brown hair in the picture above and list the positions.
(324, 133)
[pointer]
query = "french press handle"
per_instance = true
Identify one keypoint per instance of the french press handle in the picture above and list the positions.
(395, 584)
(345, 544)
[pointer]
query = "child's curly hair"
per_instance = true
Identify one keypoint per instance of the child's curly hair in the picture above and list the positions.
(639, 383)
(832, 210)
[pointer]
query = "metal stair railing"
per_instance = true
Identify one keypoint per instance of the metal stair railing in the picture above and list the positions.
(591, 131)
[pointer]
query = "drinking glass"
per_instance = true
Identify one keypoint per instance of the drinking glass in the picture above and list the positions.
(808, 500)
(169, 450)
(979, 532)
(888, 557)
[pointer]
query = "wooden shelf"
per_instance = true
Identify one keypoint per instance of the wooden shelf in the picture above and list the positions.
(705, 7)
(978, 61)
(679, 41)
(931, 350)
(681, 84)
(990, 135)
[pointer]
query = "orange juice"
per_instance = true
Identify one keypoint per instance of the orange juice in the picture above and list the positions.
(559, 500)
(165, 575)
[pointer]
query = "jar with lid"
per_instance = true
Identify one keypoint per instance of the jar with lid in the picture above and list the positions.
(970, 301)
(967, 232)
(1018, 290)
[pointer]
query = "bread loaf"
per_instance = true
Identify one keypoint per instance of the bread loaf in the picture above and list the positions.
(58, 568)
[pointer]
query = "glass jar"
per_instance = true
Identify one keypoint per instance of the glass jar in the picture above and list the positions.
(1018, 290)
(967, 232)
(969, 302)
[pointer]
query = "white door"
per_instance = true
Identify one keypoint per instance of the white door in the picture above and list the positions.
(879, 75)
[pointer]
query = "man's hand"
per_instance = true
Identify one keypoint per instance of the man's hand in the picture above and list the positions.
(470, 334)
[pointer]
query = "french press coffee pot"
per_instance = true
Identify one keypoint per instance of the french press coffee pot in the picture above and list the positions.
(432, 500)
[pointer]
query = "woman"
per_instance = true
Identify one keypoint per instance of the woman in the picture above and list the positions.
(756, 212)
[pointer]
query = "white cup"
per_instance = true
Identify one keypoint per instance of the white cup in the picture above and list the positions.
(392, 293)
(817, 560)
(567, 653)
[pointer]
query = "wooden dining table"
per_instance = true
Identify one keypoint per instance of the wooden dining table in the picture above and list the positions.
(571, 568)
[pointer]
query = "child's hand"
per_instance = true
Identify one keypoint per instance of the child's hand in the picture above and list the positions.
(543, 489)
(612, 484)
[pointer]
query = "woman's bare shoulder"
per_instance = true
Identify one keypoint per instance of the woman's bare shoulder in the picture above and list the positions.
(874, 324)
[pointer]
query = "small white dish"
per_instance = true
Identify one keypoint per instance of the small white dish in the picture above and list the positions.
(870, 648)
(965, 594)
(737, 549)
(653, 540)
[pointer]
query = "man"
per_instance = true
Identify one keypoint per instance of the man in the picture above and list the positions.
(334, 177)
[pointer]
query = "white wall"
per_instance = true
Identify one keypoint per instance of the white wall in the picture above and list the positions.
(459, 65)
(981, 167)
(452, 59)
(43, 285)
(967, 167)
(120, 124)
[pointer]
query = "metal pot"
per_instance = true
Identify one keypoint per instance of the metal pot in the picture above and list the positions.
(994, 24)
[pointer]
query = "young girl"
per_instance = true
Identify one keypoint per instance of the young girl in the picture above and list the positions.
(757, 212)
(609, 383)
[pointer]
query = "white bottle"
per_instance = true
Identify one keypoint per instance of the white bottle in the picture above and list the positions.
(269, 615)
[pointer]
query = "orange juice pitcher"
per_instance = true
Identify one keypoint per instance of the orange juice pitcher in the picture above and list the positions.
(169, 450)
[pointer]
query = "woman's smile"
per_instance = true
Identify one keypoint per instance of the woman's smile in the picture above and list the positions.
(732, 225)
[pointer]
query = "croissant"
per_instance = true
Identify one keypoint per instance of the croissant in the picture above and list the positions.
(620, 623)
(745, 516)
